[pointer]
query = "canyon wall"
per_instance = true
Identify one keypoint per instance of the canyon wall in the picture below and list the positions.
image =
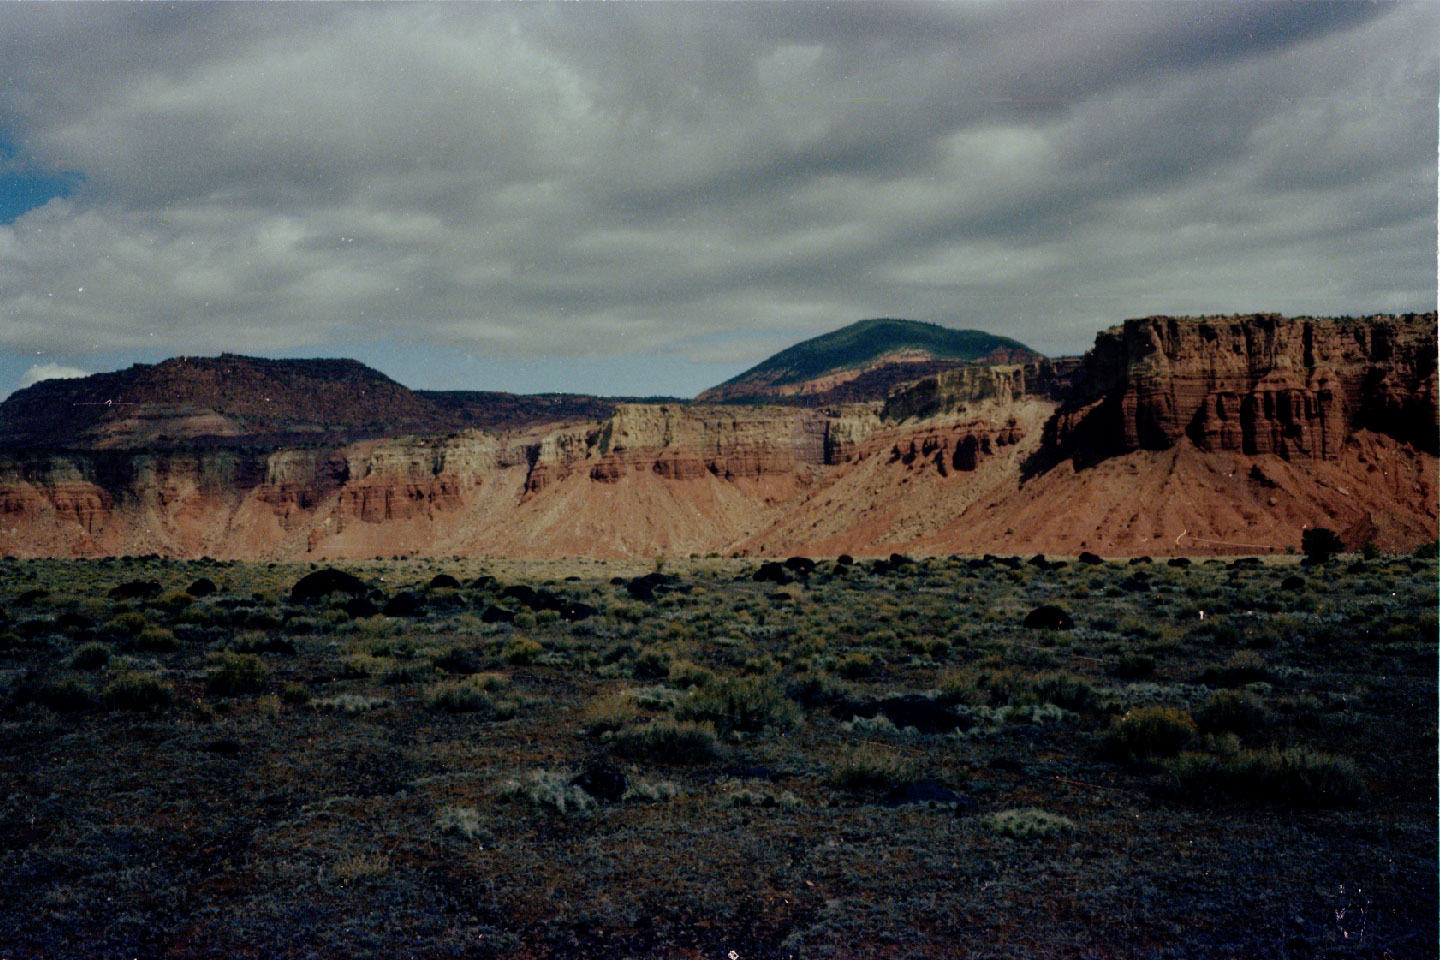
(1170, 436)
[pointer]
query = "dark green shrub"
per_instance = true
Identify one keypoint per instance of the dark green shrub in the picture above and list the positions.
(666, 741)
(65, 696)
(856, 666)
(157, 640)
(92, 656)
(128, 624)
(522, 651)
(237, 673)
(1320, 544)
(1135, 666)
(1296, 777)
(1148, 732)
(140, 691)
(746, 704)
(651, 664)
(1427, 551)
(295, 694)
(1233, 711)
(1066, 690)
(868, 769)
(469, 698)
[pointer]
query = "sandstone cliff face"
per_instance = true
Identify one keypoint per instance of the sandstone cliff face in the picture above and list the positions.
(1295, 388)
(1171, 436)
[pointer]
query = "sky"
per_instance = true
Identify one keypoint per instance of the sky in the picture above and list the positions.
(647, 199)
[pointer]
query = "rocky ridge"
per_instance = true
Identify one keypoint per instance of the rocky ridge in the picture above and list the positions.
(1174, 435)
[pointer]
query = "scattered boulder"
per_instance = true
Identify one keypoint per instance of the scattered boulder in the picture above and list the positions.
(136, 590)
(880, 567)
(494, 614)
(898, 560)
(404, 605)
(1048, 617)
(801, 565)
(202, 587)
(647, 586)
(1245, 563)
(443, 581)
(1293, 582)
(322, 583)
(1137, 561)
(359, 607)
(74, 621)
(773, 573)
(484, 582)
(1093, 559)
(844, 560)
(1180, 562)
(1014, 563)
(1039, 561)
(603, 781)
(577, 611)
(927, 791)
(31, 596)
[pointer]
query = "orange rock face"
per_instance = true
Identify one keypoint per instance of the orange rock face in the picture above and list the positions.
(1211, 435)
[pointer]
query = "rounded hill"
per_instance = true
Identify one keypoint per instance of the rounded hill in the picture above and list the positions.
(867, 349)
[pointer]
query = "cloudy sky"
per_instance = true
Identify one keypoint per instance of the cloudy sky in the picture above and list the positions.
(649, 198)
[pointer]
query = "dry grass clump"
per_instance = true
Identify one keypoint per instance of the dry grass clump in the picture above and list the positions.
(549, 789)
(237, 673)
(667, 741)
(138, 691)
(871, 769)
(739, 704)
(468, 697)
(1234, 711)
(1146, 733)
(1294, 777)
(1027, 824)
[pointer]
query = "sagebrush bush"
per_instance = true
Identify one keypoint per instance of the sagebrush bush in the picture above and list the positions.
(1295, 777)
(667, 741)
(870, 769)
(1027, 824)
(469, 698)
(1148, 732)
(744, 704)
(547, 788)
(92, 656)
(138, 691)
(65, 696)
(1233, 711)
(127, 624)
(522, 651)
(237, 673)
(461, 821)
(1066, 690)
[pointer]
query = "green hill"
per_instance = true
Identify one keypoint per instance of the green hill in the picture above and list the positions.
(860, 345)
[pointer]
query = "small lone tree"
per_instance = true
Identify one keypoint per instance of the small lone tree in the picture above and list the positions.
(1320, 544)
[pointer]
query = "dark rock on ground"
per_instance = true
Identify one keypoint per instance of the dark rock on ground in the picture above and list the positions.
(322, 583)
(494, 614)
(404, 605)
(1178, 561)
(202, 587)
(444, 581)
(771, 572)
(844, 560)
(359, 607)
(801, 565)
(74, 621)
(1048, 617)
(1293, 582)
(136, 590)
(1092, 559)
(602, 781)
(577, 611)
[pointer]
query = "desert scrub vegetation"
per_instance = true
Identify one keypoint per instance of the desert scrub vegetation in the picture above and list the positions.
(236, 674)
(1147, 733)
(739, 705)
(662, 857)
(1294, 777)
(471, 698)
(668, 742)
(138, 691)
(1027, 824)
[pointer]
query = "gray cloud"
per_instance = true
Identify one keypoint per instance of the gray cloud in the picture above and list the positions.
(703, 183)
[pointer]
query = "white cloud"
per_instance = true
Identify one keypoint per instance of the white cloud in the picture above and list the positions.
(593, 180)
(49, 371)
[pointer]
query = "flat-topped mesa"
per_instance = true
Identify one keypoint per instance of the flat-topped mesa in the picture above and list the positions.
(1260, 384)
(687, 441)
(953, 390)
